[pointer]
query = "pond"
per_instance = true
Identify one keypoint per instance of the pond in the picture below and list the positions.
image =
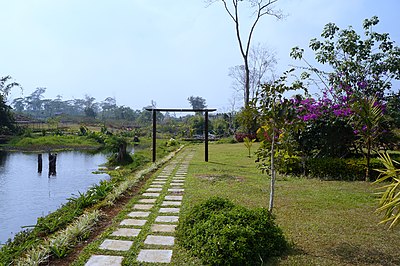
(26, 194)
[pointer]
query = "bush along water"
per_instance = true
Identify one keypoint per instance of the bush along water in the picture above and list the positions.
(221, 233)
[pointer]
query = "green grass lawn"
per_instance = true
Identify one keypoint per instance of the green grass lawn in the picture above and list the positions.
(328, 222)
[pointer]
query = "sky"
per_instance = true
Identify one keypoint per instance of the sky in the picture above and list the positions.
(140, 51)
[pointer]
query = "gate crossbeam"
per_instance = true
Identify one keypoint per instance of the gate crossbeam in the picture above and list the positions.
(206, 111)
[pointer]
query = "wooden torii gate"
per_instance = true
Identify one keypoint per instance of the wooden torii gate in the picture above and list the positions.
(154, 112)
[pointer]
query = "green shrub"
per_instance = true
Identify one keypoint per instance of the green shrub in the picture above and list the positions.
(172, 142)
(220, 233)
(138, 160)
(341, 169)
(345, 169)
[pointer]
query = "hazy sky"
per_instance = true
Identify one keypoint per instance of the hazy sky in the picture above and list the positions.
(139, 50)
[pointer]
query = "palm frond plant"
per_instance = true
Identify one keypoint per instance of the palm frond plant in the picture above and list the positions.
(248, 143)
(389, 202)
(367, 119)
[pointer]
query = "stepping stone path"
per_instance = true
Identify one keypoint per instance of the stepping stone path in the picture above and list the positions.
(158, 207)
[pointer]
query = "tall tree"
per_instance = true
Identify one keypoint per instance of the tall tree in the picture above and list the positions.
(365, 65)
(259, 8)
(90, 106)
(6, 119)
(18, 104)
(108, 107)
(261, 61)
(34, 101)
(197, 102)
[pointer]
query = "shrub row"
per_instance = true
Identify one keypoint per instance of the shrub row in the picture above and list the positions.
(221, 233)
(350, 169)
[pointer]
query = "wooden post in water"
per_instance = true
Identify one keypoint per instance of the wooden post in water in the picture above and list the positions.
(52, 164)
(40, 163)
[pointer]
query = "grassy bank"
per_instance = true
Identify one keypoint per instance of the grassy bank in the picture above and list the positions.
(328, 222)
(55, 235)
(44, 143)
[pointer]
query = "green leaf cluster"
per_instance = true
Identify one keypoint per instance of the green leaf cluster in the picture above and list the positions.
(221, 233)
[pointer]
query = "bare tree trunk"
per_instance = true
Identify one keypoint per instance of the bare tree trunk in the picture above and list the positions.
(368, 160)
(272, 192)
(260, 8)
(247, 82)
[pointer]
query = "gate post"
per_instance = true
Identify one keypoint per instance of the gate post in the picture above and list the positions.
(206, 136)
(154, 134)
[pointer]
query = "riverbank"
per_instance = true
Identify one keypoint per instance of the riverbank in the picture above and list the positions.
(27, 246)
(51, 143)
(27, 193)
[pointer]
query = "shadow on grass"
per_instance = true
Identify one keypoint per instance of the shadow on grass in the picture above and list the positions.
(293, 251)
(358, 255)
(226, 164)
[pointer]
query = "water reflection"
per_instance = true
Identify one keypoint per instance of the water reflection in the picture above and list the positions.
(26, 194)
(3, 158)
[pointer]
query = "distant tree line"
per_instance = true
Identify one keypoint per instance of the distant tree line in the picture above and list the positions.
(37, 107)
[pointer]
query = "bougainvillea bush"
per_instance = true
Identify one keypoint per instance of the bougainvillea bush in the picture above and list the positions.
(347, 116)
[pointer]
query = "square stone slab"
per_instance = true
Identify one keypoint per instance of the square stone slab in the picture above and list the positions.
(102, 260)
(154, 189)
(167, 219)
(153, 195)
(155, 256)
(173, 197)
(147, 200)
(160, 240)
(139, 214)
(176, 190)
(131, 222)
(171, 203)
(168, 228)
(159, 182)
(169, 210)
(143, 206)
(121, 245)
(128, 232)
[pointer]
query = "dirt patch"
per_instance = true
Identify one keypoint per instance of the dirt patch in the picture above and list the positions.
(223, 177)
